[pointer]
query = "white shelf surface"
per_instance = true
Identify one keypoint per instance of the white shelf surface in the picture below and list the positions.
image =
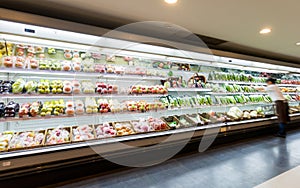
(117, 96)
(78, 74)
(290, 93)
(189, 89)
(288, 85)
(239, 93)
(71, 96)
(249, 83)
(234, 82)
(130, 77)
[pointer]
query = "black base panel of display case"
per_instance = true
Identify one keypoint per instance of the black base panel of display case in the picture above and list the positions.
(89, 166)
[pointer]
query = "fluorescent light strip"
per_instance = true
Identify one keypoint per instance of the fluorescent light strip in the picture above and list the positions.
(181, 60)
(47, 33)
(254, 64)
(264, 70)
(118, 52)
(224, 65)
(42, 42)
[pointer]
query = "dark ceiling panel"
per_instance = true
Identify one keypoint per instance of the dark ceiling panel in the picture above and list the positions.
(53, 10)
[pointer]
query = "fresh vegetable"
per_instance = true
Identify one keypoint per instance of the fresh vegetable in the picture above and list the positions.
(18, 86)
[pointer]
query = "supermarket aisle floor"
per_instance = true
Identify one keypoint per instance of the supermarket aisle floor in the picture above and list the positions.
(246, 164)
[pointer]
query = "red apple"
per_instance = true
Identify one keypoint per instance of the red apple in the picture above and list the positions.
(67, 89)
(134, 90)
(99, 90)
(154, 90)
(104, 91)
(144, 89)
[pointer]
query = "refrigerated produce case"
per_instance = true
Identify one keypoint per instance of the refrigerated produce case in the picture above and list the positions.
(66, 96)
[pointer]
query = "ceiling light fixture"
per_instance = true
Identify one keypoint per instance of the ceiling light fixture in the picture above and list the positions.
(265, 31)
(171, 1)
(298, 43)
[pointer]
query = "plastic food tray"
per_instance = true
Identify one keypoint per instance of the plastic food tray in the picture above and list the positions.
(10, 148)
(128, 124)
(191, 123)
(171, 119)
(96, 126)
(69, 129)
(93, 133)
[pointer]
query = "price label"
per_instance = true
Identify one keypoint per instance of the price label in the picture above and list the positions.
(223, 129)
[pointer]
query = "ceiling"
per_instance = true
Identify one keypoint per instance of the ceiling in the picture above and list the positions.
(237, 21)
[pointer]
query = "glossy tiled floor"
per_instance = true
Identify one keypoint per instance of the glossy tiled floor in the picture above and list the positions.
(246, 164)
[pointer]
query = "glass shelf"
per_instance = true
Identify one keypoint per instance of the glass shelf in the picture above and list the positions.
(128, 116)
(189, 90)
(44, 73)
(70, 96)
(238, 93)
(288, 85)
(234, 82)
(249, 83)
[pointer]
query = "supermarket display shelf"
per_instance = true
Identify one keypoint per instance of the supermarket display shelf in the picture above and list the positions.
(49, 73)
(253, 93)
(260, 103)
(27, 118)
(294, 115)
(294, 102)
(239, 93)
(92, 143)
(288, 85)
(249, 83)
(146, 70)
(290, 93)
(117, 96)
(249, 121)
(131, 77)
(71, 96)
(234, 82)
(189, 89)
(128, 116)
(97, 142)
(78, 74)
(121, 116)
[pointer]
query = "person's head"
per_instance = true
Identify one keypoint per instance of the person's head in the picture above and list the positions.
(271, 81)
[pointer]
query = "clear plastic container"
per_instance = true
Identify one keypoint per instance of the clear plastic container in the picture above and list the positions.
(20, 62)
(33, 63)
(67, 87)
(66, 66)
(88, 87)
(8, 61)
(44, 64)
(76, 64)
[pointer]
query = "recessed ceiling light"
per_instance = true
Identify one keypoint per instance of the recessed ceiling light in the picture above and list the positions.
(171, 1)
(298, 43)
(265, 31)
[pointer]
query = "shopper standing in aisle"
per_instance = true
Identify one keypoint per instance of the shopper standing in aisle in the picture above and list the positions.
(282, 107)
